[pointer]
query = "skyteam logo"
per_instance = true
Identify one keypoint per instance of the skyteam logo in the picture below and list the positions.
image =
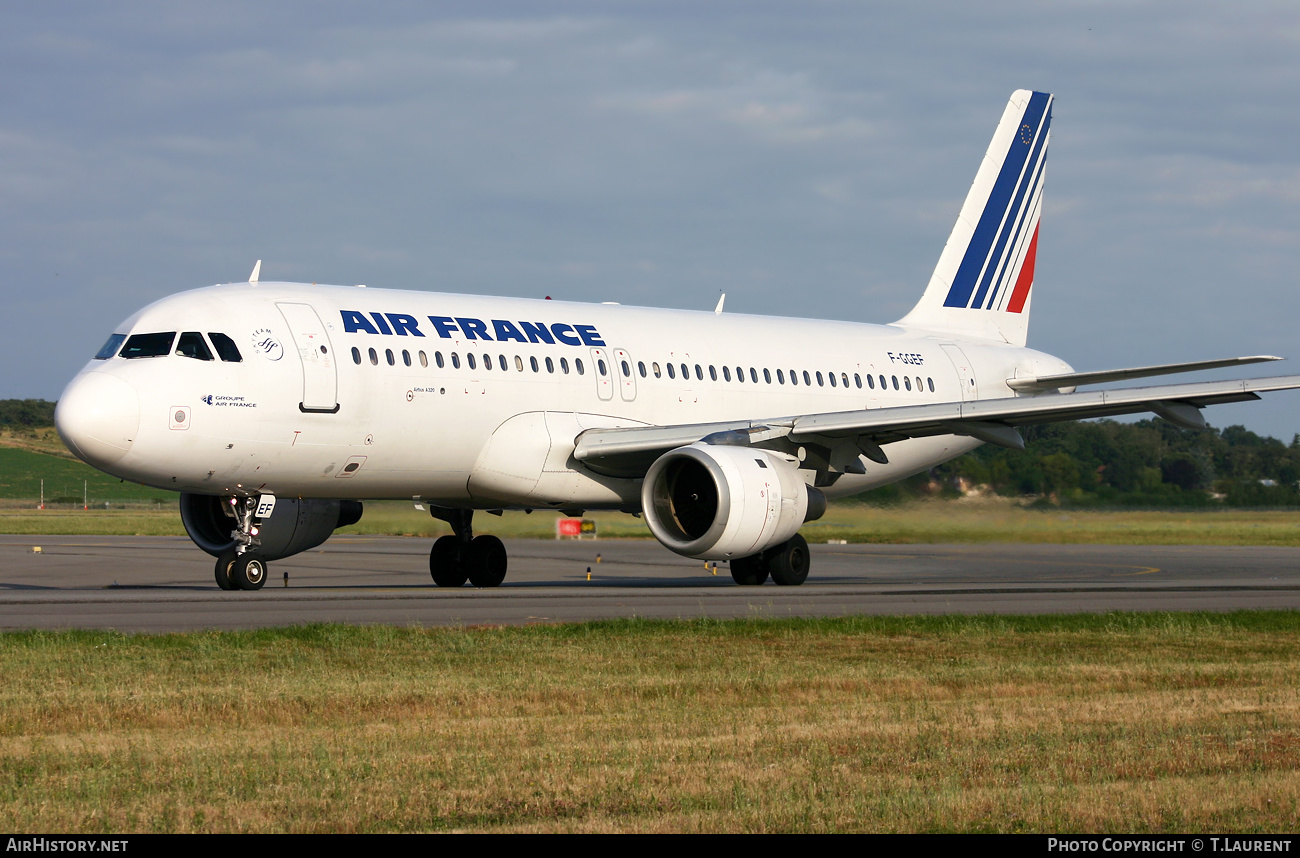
(463, 327)
(265, 344)
(997, 270)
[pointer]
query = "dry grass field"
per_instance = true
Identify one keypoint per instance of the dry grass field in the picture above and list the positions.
(1144, 723)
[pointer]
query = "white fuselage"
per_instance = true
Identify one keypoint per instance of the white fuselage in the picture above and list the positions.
(493, 426)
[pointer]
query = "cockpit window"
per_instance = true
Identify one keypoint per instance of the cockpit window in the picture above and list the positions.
(226, 348)
(149, 345)
(110, 348)
(191, 345)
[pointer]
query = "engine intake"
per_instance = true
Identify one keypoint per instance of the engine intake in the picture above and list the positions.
(296, 524)
(714, 502)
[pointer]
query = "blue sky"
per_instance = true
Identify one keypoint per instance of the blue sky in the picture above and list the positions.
(807, 159)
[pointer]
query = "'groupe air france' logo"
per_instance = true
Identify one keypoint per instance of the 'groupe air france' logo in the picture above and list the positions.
(265, 343)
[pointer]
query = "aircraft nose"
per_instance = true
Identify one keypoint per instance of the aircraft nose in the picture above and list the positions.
(98, 416)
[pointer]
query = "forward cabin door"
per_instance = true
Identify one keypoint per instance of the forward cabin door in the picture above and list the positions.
(320, 381)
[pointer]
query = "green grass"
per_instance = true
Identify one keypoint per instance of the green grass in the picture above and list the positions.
(923, 522)
(1080, 723)
(21, 472)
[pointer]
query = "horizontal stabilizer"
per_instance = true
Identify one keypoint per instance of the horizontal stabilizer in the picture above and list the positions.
(1074, 379)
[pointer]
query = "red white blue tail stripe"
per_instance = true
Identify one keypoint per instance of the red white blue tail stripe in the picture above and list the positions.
(981, 285)
(992, 253)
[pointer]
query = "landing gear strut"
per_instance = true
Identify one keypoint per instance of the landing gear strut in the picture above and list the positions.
(786, 563)
(462, 557)
(241, 567)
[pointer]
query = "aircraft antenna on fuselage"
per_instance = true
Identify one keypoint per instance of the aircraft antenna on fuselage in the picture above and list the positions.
(717, 311)
(257, 270)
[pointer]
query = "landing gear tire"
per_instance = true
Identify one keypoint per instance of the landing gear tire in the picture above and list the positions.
(248, 572)
(748, 571)
(485, 561)
(788, 562)
(224, 562)
(445, 562)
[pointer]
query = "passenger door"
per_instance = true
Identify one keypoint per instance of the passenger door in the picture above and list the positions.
(320, 381)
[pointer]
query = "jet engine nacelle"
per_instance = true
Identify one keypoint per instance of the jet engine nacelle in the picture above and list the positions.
(295, 525)
(713, 502)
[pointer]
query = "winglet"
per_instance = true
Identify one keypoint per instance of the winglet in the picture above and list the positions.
(257, 269)
(717, 311)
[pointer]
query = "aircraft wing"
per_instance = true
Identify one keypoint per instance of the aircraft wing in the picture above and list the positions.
(629, 452)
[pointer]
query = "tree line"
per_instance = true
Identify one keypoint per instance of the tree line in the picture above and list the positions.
(1150, 463)
(26, 413)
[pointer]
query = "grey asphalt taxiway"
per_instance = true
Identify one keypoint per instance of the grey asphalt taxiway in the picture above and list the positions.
(159, 584)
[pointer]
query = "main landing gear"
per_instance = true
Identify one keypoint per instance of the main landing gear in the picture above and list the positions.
(787, 564)
(462, 557)
(241, 567)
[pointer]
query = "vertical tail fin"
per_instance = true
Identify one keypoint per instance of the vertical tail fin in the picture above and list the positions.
(980, 287)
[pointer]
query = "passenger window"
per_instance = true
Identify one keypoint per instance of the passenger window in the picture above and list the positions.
(469, 359)
(406, 357)
(686, 373)
(226, 348)
(564, 365)
(871, 382)
(110, 348)
(753, 375)
(844, 377)
(437, 358)
(713, 373)
(699, 373)
(780, 377)
(671, 373)
(857, 379)
(895, 380)
(806, 378)
(883, 384)
(577, 365)
(794, 378)
(640, 367)
(455, 361)
(424, 360)
(740, 374)
(191, 345)
(831, 375)
(356, 356)
(149, 345)
(532, 361)
(907, 382)
(819, 380)
(654, 367)
(487, 361)
(930, 381)
(627, 370)
(550, 365)
(519, 363)
(388, 355)
(374, 358)
(767, 375)
(726, 373)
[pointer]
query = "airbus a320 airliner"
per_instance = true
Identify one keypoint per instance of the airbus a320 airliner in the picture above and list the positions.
(275, 409)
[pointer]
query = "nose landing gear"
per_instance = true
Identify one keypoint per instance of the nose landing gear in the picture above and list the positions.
(462, 557)
(241, 567)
